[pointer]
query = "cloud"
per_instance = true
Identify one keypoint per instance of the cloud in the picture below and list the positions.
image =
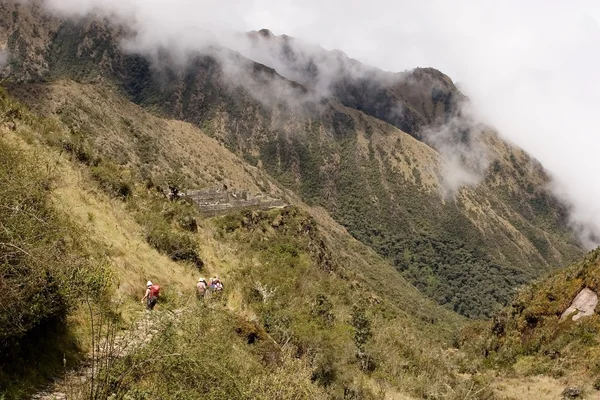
(530, 68)
(465, 157)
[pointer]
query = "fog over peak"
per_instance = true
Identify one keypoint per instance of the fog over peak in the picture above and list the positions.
(529, 68)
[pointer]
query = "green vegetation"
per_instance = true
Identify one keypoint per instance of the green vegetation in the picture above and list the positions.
(442, 253)
(529, 338)
(209, 354)
(112, 179)
(169, 227)
(300, 320)
(319, 157)
(319, 152)
(306, 299)
(308, 312)
(46, 269)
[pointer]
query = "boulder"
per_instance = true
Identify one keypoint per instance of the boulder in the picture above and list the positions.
(571, 393)
(583, 305)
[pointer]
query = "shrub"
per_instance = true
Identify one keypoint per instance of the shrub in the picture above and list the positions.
(113, 180)
(206, 355)
(179, 246)
(45, 268)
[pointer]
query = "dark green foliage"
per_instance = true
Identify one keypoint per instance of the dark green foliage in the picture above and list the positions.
(362, 326)
(45, 270)
(322, 309)
(179, 246)
(362, 335)
(68, 58)
(113, 179)
(139, 77)
(457, 275)
(441, 252)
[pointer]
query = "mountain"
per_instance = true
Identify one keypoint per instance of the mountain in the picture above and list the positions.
(308, 312)
(411, 101)
(396, 158)
(402, 211)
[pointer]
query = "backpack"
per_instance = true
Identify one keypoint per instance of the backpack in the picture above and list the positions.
(154, 291)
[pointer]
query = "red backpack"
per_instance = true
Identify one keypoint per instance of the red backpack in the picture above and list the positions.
(154, 290)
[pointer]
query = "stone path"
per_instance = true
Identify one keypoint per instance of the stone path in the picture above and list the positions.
(73, 382)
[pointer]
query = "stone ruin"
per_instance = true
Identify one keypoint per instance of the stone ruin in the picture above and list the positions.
(222, 199)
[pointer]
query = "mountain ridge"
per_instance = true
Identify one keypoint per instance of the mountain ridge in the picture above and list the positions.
(473, 195)
(407, 218)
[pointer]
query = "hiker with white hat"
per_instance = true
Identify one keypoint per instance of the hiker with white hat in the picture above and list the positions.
(151, 295)
(201, 289)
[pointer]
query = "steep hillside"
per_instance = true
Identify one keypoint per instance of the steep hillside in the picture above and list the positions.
(299, 288)
(549, 330)
(536, 324)
(452, 207)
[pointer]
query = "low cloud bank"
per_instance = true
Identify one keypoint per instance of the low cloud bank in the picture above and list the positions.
(529, 68)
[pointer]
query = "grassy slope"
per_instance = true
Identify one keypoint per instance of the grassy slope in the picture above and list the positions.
(394, 307)
(395, 171)
(385, 187)
(180, 147)
(528, 339)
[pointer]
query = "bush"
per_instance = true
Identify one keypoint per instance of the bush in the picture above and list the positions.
(183, 213)
(45, 267)
(114, 180)
(206, 355)
(179, 246)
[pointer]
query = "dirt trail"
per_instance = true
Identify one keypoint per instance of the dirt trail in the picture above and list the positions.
(143, 331)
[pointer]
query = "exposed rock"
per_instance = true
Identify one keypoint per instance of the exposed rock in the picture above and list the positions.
(571, 393)
(583, 305)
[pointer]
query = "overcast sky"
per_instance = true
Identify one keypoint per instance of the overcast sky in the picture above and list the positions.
(531, 67)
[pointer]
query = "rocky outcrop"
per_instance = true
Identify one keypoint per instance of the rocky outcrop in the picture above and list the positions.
(583, 305)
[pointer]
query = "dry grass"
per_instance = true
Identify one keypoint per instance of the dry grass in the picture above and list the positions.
(538, 387)
(119, 128)
(109, 224)
(115, 126)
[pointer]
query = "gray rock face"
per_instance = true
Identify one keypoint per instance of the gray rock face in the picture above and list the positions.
(583, 305)
(571, 393)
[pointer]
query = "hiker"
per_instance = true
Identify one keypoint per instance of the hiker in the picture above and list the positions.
(201, 289)
(215, 284)
(151, 295)
(218, 284)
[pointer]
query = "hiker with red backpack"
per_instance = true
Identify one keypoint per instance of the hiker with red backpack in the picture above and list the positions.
(151, 295)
